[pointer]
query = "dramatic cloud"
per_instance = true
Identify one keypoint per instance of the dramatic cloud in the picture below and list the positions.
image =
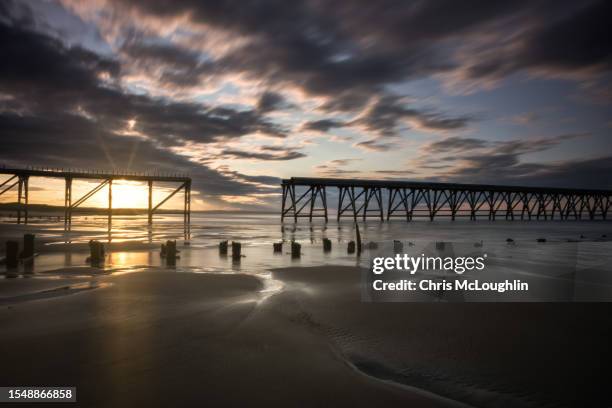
(351, 51)
(200, 86)
(64, 107)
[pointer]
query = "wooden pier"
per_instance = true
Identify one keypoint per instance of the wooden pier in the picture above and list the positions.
(386, 199)
(19, 178)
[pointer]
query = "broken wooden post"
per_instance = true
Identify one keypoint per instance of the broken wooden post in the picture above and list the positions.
(278, 247)
(12, 249)
(171, 249)
(171, 252)
(351, 247)
(440, 246)
(96, 252)
(236, 250)
(296, 250)
(28, 246)
(163, 251)
(223, 248)
(327, 245)
(398, 246)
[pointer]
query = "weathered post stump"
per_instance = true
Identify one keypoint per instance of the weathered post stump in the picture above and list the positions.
(12, 249)
(171, 252)
(236, 250)
(351, 247)
(278, 247)
(327, 245)
(398, 246)
(440, 246)
(223, 248)
(28, 246)
(296, 250)
(96, 252)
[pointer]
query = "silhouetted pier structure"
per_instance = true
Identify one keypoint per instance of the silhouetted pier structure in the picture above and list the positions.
(19, 177)
(307, 198)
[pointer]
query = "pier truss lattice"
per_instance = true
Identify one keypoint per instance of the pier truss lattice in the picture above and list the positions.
(360, 199)
(19, 178)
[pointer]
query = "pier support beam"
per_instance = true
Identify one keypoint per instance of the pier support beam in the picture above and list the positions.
(150, 207)
(67, 202)
(110, 203)
(22, 198)
(314, 198)
(187, 205)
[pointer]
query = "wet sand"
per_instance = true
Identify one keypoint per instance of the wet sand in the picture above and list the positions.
(136, 333)
(491, 355)
(160, 337)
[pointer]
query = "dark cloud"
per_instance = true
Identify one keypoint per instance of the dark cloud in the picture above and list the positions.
(285, 154)
(374, 145)
(386, 115)
(271, 101)
(510, 147)
(74, 141)
(343, 162)
(59, 101)
(585, 173)
(505, 162)
(455, 144)
(48, 78)
(395, 173)
(323, 125)
(574, 39)
(167, 54)
(62, 106)
(351, 51)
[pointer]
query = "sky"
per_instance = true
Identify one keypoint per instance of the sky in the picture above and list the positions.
(241, 94)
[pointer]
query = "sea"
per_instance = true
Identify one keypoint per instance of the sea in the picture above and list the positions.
(517, 249)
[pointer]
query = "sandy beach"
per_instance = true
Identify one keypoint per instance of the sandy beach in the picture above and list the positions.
(172, 339)
(270, 330)
(168, 338)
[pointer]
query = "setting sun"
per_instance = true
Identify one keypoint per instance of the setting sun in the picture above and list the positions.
(128, 194)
